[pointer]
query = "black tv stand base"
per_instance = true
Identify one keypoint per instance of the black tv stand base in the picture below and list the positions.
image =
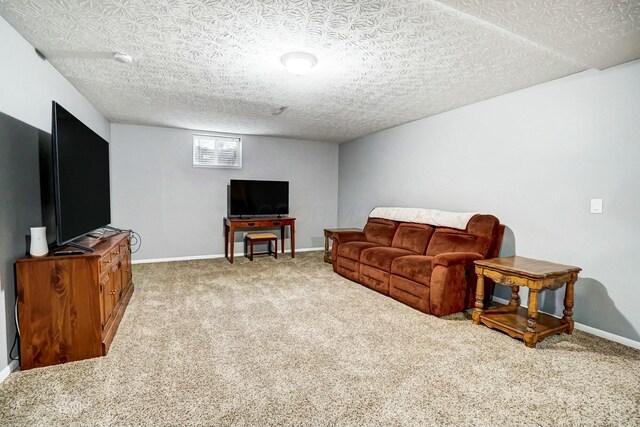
(79, 246)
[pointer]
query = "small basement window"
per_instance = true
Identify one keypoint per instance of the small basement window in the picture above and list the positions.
(213, 151)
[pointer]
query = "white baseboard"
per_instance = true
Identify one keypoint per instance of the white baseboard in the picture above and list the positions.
(594, 331)
(7, 370)
(198, 257)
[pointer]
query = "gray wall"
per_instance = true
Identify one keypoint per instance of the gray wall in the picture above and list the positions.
(27, 86)
(533, 158)
(178, 209)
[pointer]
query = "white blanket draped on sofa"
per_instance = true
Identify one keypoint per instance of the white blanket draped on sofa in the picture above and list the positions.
(433, 217)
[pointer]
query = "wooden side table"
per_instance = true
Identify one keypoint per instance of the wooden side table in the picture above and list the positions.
(328, 232)
(519, 322)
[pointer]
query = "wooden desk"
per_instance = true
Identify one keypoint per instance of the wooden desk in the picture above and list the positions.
(328, 232)
(231, 225)
(526, 324)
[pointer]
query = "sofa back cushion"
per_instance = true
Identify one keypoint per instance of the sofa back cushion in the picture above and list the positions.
(484, 226)
(481, 232)
(448, 240)
(412, 237)
(380, 231)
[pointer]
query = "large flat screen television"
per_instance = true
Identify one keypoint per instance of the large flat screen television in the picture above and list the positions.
(80, 177)
(258, 198)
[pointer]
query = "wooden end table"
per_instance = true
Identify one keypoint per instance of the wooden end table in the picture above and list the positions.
(328, 232)
(519, 322)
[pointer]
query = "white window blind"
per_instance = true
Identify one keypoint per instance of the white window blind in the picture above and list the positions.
(212, 151)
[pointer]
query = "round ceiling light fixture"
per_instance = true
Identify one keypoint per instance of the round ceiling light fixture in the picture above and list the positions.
(298, 63)
(122, 57)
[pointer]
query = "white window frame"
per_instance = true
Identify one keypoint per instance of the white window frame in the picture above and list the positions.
(214, 138)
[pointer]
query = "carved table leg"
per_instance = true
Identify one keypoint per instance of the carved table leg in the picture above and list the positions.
(515, 296)
(479, 307)
(568, 306)
(530, 335)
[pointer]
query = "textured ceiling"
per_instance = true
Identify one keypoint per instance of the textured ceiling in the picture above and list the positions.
(215, 65)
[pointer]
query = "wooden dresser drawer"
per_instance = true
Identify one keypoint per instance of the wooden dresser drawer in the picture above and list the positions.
(115, 251)
(104, 264)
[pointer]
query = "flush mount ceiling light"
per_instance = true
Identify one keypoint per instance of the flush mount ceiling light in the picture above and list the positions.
(298, 63)
(122, 57)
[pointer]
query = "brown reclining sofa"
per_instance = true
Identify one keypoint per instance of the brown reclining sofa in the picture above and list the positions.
(427, 267)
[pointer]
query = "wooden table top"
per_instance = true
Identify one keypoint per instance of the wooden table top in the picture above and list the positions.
(534, 268)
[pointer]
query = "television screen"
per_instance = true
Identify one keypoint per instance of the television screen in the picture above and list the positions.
(81, 177)
(258, 198)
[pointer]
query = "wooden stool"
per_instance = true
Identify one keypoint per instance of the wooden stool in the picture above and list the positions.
(250, 239)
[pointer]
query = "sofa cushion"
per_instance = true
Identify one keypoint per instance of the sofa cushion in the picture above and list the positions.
(412, 237)
(484, 226)
(413, 267)
(352, 250)
(380, 231)
(452, 241)
(481, 232)
(381, 257)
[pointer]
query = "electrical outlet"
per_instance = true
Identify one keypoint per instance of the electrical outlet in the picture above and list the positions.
(596, 206)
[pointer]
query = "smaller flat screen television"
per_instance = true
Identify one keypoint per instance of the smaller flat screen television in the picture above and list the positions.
(80, 177)
(258, 198)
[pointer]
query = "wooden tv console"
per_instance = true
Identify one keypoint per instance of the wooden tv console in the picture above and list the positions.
(69, 307)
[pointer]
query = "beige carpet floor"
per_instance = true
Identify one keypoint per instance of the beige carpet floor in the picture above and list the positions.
(288, 342)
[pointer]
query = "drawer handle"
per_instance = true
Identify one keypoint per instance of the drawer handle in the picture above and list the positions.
(251, 224)
(276, 222)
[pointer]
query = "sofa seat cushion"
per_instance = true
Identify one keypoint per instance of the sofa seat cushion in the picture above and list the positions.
(413, 267)
(381, 257)
(412, 237)
(352, 250)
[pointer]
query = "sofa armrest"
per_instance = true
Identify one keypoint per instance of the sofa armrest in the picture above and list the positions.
(453, 258)
(349, 236)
